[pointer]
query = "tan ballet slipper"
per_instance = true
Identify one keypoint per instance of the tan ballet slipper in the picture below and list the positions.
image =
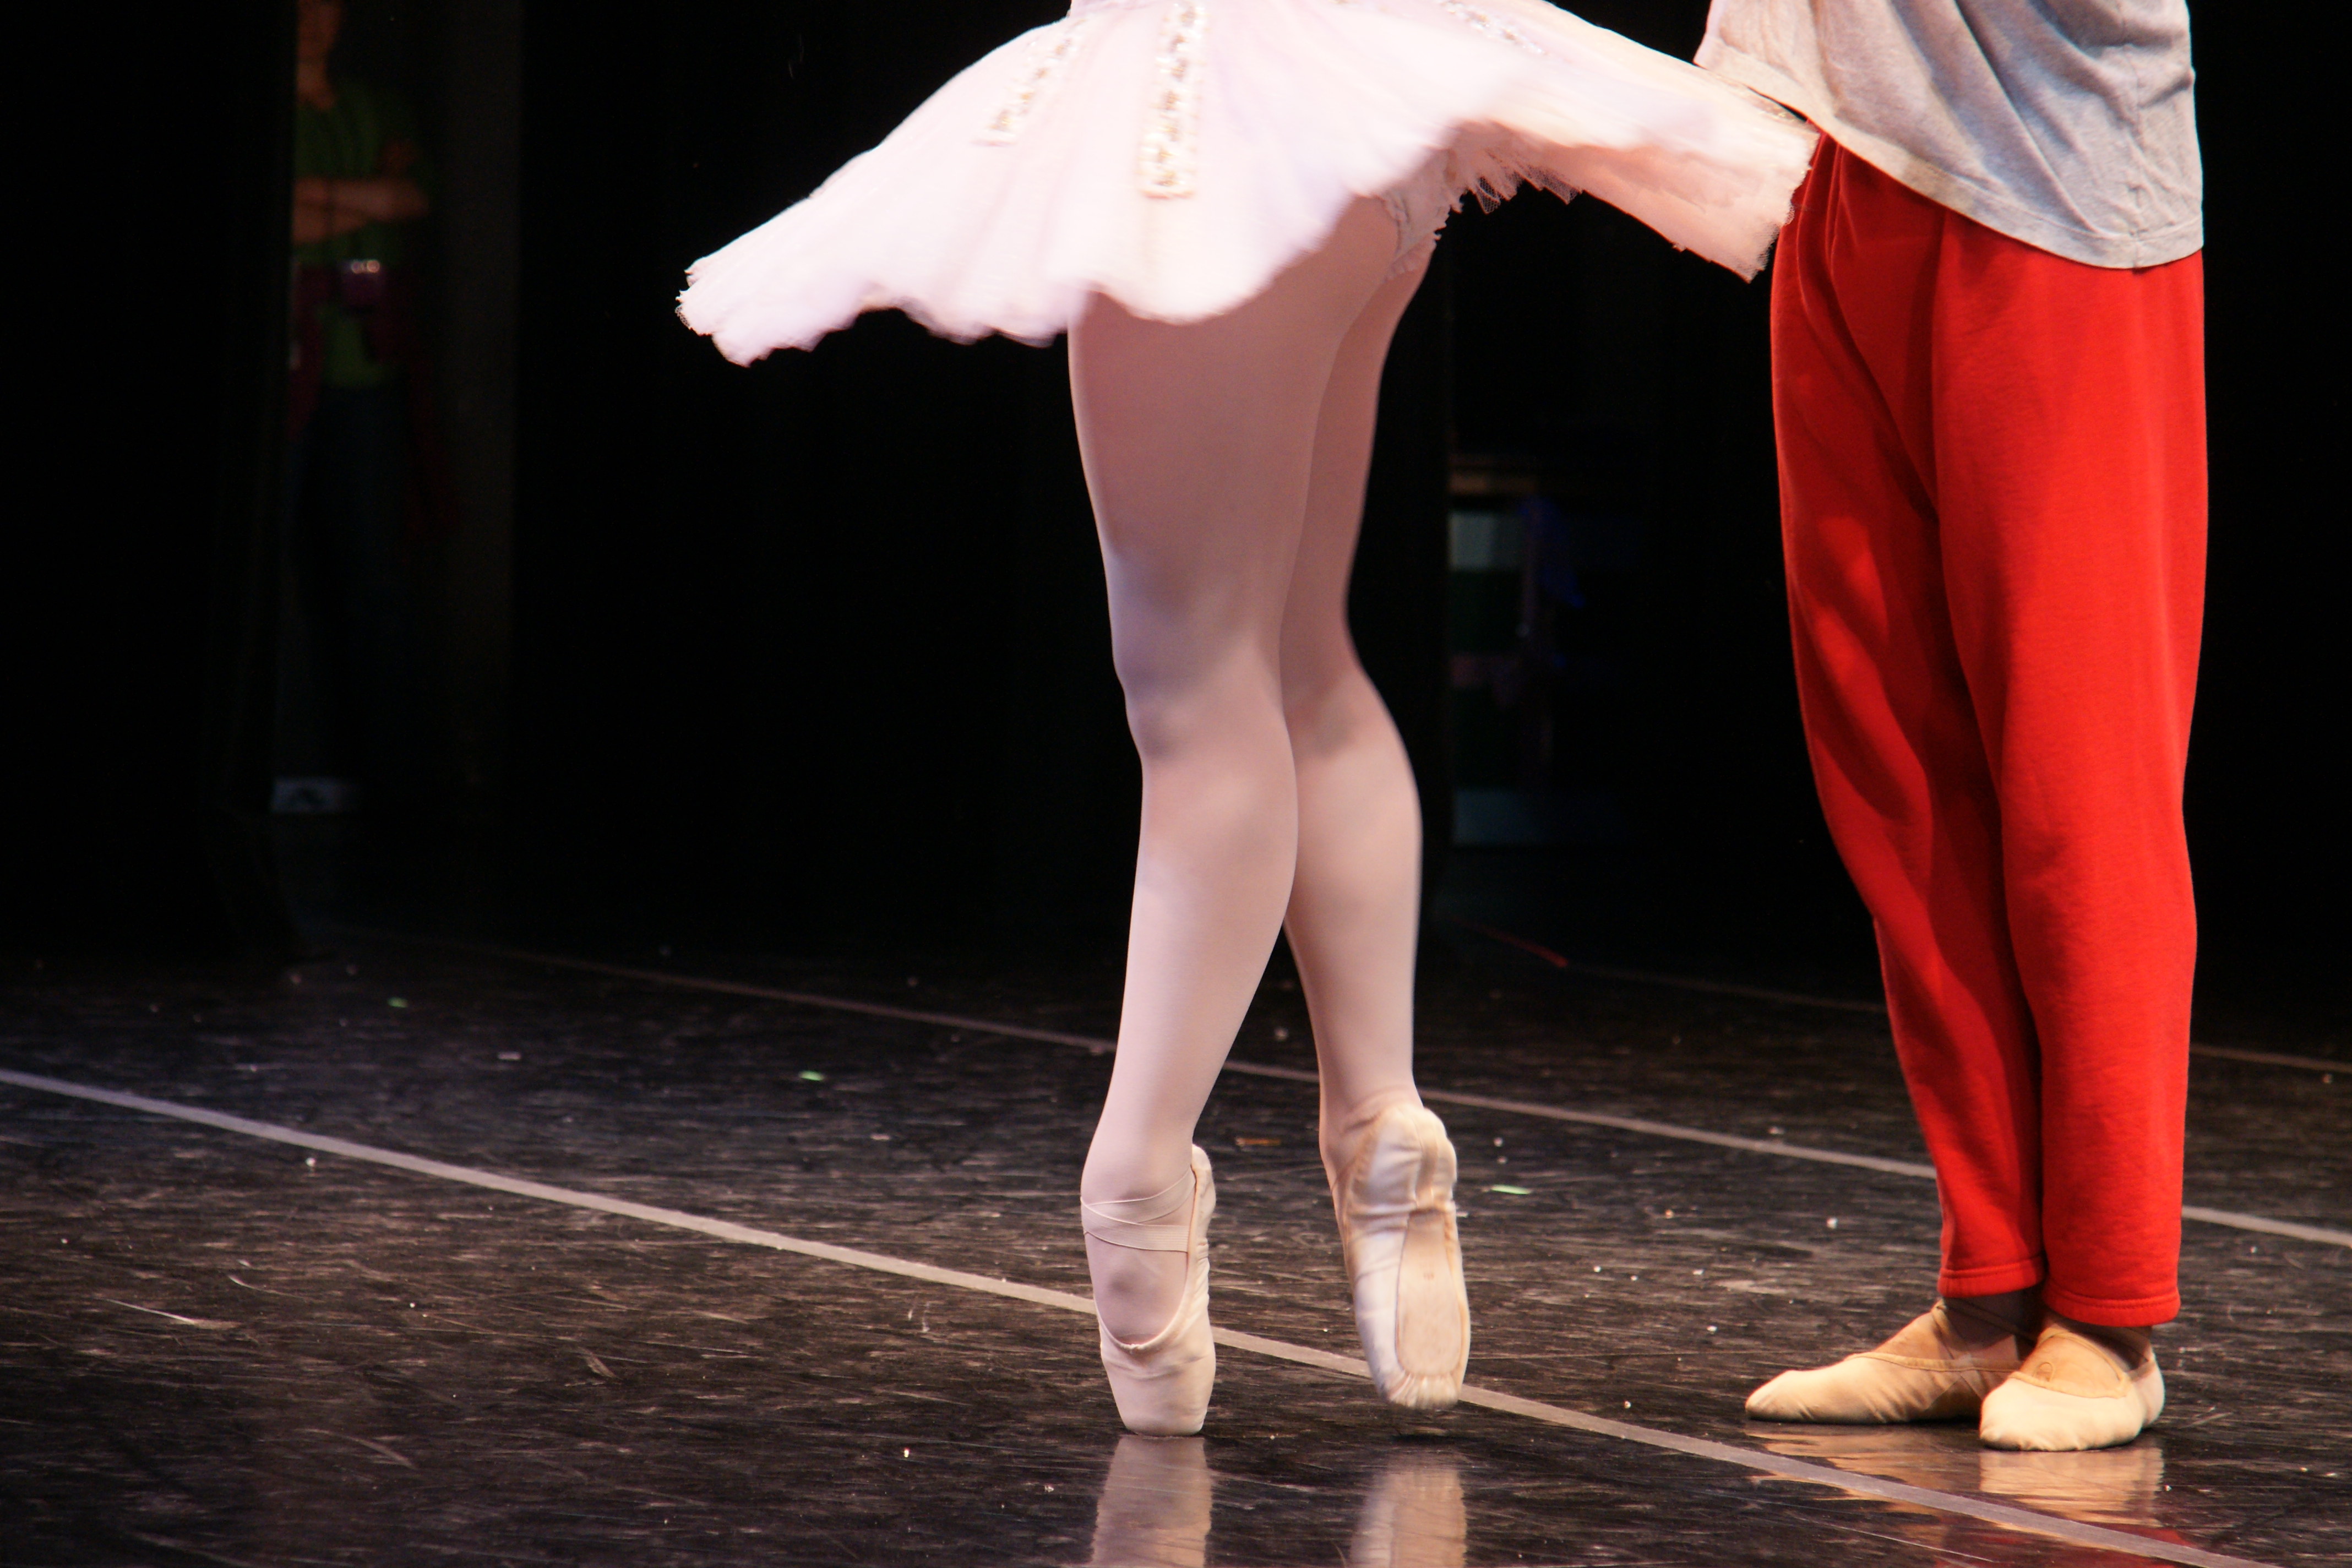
(1161, 1385)
(1392, 1189)
(2075, 1391)
(1927, 1372)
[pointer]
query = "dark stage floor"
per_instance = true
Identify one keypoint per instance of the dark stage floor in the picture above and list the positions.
(247, 1341)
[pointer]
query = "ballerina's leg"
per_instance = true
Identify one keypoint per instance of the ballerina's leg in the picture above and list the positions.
(1199, 442)
(1354, 909)
(1355, 901)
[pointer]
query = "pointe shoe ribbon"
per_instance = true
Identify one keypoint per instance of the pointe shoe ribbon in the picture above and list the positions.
(1392, 1189)
(2073, 1393)
(1161, 1385)
(1927, 1372)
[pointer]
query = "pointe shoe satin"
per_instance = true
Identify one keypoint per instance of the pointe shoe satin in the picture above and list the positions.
(1393, 1191)
(1162, 1384)
(1926, 1372)
(2073, 1393)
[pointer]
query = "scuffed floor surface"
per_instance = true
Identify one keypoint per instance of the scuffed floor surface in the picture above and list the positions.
(219, 1348)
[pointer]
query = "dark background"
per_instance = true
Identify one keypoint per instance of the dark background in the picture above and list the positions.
(815, 653)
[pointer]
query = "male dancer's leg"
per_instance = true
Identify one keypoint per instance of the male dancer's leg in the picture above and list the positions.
(2070, 429)
(2071, 441)
(1199, 444)
(1904, 780)
(1890, 722)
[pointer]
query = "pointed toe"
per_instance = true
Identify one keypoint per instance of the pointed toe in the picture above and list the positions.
(1162, 1384)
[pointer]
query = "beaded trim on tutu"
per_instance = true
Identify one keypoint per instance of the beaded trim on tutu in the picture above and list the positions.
(1177, 154)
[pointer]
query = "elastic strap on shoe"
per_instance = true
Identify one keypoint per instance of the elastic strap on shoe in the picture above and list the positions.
(1143, 1223)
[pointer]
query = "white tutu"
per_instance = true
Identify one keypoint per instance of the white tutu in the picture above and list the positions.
(1177, 154)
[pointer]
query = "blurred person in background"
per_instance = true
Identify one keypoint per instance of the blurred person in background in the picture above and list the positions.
(349, 670)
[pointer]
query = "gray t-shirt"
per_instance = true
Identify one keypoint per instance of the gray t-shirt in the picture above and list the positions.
(2069, 124)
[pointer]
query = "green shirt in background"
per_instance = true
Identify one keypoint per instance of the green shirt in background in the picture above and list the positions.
(347, 141)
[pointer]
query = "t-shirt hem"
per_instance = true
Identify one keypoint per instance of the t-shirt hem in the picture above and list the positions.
(1908, 169)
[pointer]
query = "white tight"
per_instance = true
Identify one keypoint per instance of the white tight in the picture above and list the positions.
(1226, 460)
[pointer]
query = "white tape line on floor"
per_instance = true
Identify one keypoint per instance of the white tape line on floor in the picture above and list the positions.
(1280, 1350)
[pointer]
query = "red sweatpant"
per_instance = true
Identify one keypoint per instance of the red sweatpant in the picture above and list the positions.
(1992, 472)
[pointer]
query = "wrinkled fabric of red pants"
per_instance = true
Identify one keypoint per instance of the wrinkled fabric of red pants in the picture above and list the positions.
(1992, 472)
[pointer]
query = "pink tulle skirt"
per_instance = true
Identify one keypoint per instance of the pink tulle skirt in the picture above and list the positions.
(1177, 154)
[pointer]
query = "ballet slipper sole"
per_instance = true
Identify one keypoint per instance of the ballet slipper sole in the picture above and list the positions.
(1432, 1311)
(1432, 1316)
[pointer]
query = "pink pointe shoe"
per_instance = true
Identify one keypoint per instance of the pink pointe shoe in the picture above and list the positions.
(1162, 1384)
(1393, 1188)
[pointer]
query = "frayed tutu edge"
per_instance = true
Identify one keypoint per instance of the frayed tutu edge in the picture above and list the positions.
(1176, 157)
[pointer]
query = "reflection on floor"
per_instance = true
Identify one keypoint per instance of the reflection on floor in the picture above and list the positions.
(2115, 1487)
(222, 1349)
(1156, 1509)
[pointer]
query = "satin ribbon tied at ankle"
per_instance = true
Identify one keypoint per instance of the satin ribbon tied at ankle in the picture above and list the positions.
(1144, 1224)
